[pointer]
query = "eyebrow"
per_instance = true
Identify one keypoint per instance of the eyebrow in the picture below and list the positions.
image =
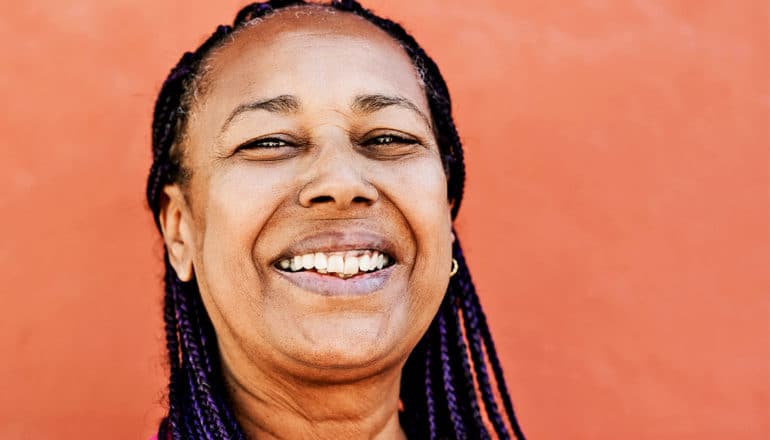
(284, 104)
(371, 103)
(362, 104)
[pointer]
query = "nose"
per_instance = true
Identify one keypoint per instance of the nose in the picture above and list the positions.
(337, 181)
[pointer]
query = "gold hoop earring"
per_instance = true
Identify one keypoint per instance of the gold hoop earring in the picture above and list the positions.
(455, 267)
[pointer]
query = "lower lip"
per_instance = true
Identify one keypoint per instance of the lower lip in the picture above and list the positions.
(332, 285)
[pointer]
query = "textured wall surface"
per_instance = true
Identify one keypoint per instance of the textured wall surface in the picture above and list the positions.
(616, 217)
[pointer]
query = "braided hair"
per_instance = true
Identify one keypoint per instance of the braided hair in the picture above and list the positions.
(447, 388)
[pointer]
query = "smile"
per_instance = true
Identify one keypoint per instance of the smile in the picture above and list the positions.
(343, 264)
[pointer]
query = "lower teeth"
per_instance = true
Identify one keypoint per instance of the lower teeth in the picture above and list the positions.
(338, 274)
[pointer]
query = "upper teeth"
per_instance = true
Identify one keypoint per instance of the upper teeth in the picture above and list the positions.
(344, 264)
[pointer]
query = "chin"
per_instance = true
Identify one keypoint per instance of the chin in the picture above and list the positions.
(349, 342)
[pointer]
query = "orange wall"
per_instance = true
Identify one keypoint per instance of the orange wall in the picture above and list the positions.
(616, 216)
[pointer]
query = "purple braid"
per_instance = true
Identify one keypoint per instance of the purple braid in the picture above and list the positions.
(172, 344)
(197, 358)
(446, 376)
(470, 392)
(193, 417)
(476, 345)
(476, 327)
(498, 369)
(429, 397)
(438, 384)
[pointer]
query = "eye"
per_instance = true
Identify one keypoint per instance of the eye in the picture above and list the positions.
(388, 139)
(269, 148)
(267, 143)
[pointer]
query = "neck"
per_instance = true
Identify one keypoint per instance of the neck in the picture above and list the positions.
(271, 407)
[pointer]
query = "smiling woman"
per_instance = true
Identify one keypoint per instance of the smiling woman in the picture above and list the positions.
(306, 172)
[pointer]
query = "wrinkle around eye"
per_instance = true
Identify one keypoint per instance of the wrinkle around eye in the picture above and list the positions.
(265, 148)
(266, 142)
(390, 138)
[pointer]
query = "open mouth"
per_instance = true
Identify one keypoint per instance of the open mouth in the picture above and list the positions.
(344, 264)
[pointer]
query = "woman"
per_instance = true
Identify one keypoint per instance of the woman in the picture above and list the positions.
(306, 171)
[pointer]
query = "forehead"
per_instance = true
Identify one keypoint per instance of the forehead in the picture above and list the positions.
(314, 53)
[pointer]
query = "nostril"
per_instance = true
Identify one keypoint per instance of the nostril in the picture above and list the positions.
(337, 191)
(326, 199)
(322, 199)
(360, 199)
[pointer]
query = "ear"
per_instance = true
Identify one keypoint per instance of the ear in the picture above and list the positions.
(176, 227)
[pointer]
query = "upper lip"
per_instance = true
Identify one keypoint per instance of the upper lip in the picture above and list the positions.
(340, 241)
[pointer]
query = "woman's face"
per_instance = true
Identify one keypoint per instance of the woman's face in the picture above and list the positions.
(311, 150)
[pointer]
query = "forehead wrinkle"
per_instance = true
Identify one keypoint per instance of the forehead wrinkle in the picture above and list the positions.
(314, 20)
(306, 20)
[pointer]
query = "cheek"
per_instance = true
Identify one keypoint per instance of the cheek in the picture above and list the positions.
(240, 200)
(418, 190)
